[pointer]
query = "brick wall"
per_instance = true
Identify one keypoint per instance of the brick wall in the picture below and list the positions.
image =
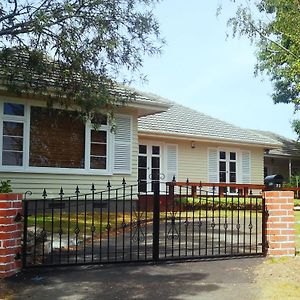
(280, 223)
(10, 234)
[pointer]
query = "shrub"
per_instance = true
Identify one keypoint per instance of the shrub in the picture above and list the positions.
(5, 186)
(294, 181)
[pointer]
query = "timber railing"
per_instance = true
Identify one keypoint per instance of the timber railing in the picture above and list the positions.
(216, 188)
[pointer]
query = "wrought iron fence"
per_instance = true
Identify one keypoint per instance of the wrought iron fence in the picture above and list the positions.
(182, 221)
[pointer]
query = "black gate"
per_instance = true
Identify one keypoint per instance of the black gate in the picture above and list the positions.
(184, 221)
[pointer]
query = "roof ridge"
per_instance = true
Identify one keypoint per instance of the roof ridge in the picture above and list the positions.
(262, 132)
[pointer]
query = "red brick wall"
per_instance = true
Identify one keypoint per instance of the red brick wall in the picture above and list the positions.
(10, 234)
(280, 223)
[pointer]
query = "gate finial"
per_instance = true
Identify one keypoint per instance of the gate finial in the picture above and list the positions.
(108, 184)
(77, 191)
(61, 192)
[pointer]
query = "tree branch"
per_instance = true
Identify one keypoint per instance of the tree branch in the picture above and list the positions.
(272, 41)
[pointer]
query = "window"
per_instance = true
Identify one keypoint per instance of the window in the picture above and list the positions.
(13, 119)
(12, 149)
(13, 109)
(36, 139)
(57, 139)
(98, 156)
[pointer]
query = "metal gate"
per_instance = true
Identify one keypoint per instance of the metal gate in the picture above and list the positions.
(184, 221)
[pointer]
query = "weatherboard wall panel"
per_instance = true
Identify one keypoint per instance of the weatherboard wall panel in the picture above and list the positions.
(257, 166)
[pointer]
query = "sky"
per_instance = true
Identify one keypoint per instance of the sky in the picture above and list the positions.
(201, 69)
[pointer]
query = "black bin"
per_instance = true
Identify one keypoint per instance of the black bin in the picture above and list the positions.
(273, 182)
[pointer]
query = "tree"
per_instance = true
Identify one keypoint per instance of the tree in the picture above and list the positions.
(73, 51)
(274, 25)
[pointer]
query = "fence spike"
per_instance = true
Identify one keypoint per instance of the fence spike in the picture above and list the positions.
(174, 178)
(123, 181)
(77, 191)
(251, 193)
(108, 184)
(93, 188)
(44, 193)
(61, 192)
(187, 180)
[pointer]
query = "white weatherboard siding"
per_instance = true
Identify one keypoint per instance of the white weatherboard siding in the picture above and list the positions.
(36, 182)
(192, 162)
(257, 166)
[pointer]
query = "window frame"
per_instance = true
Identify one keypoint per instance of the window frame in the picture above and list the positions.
(13, 119)
(52, 170)
(227, 161)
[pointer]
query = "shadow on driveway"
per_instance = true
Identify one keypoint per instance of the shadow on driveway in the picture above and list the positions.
(219, 279)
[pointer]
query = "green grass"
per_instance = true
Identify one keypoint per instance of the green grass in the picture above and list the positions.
(68, 224)
(297, 202)
(84, 223)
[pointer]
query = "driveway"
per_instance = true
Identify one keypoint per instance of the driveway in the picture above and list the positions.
(217, 279)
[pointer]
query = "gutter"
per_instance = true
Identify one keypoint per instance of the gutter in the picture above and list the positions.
(182, 136)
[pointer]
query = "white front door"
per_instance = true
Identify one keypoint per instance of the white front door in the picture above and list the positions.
(227, 166)
(149, 166)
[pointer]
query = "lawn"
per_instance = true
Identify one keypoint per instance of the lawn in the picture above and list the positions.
(85, 222)
(99, 223)
(297, 202)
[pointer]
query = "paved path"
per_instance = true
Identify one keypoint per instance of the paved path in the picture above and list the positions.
(219, 279)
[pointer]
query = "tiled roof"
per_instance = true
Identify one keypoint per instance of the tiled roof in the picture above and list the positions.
(289, 147)
(138, 96)
(180, 120)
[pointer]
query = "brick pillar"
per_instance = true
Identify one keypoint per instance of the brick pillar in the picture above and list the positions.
(280, 223)
(10, 234)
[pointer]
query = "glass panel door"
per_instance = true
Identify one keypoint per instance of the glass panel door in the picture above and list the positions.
(155, 166)
(232, 170)
(148, 167)
(228, 168)
(142, 168)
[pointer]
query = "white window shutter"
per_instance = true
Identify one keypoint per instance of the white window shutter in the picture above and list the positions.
(172, 157)
(122, 145)
(246, 167)
(213, 165)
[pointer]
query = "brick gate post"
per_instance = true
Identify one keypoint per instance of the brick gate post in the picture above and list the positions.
(10, 234)
(279, 223)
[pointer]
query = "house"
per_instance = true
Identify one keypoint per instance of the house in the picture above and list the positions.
(284, 160)
(191, 145)
(42, 149)
(156, 139)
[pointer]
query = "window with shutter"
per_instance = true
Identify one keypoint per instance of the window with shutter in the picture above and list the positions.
(122, 145)
(246, 165)
(171, 158)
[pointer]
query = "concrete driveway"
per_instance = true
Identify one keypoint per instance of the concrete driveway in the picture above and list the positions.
(218, 279)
